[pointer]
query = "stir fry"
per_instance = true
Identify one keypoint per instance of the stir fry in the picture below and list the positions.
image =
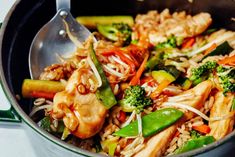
(157, 85)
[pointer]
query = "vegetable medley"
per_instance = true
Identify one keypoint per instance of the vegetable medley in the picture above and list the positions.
(157, 85)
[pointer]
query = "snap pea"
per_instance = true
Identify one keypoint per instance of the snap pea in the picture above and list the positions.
(104, 93)
(152, 123)
(195, 143)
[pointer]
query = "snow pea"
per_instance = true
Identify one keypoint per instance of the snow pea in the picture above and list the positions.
(104, 93)
(152, 123)
(195, 143)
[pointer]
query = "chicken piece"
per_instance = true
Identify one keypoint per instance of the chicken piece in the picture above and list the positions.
(222, 107)
(191, 26)
(83, 114)
(158, 143)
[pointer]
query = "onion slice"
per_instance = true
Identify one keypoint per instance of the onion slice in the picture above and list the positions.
(36, 109)
(97, 75)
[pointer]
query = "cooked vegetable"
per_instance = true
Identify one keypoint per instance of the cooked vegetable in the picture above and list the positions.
(222, 49)
(170, 69)
(213, 46)
(202, 72)
(184, 82)
(65, 134)
(220, 39)
(41, 88)
(228, 61)
(136, 79)
(233, 105)
(194, 134)
(135, 99)
(116, 32)
(155, 60)
(160, 88)
(93, 21)
(110, 146)
(45, 123)
(204, 129)
(170, 43)
(162, 75)
(195, 143)
(188, 43)
(104, 93)
(152, 123)
(226, 78)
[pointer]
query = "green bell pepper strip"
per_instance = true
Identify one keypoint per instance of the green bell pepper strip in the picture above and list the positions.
(195, 143)
(104, 93)
(152, 123)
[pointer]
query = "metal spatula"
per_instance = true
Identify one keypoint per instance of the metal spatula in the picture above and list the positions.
(52, 40)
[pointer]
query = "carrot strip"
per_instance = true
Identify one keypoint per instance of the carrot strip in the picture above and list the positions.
(211, 48)
(136, 79)
(160, 88)
(228, 60)
(205, 129)
(37, 94)
(188, 43)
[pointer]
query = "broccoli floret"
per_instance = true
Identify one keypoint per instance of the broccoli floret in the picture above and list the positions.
(194, 134)
(226, 78)
(202, 72)
(134, 97)
(170, 43)
(120, 32)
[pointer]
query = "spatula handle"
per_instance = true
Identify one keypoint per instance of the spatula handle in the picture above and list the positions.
(62, 4)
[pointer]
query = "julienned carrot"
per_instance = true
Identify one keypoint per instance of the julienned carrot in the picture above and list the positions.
(188, 43)
(228, 60)
(160, 88)
(122, 57)
(136, 79)
(211, 48)
(37, 94)
(205, 129)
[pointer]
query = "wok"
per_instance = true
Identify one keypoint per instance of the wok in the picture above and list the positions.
(24, 20)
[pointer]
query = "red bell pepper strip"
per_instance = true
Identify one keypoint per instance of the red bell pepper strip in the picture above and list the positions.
(188, 43)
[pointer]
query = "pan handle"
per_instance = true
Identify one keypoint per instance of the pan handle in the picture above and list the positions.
(7, 112)
(62, 4)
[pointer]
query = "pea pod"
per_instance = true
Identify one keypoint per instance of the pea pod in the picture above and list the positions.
(152, 123)
(195, 143)
(104, 93)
